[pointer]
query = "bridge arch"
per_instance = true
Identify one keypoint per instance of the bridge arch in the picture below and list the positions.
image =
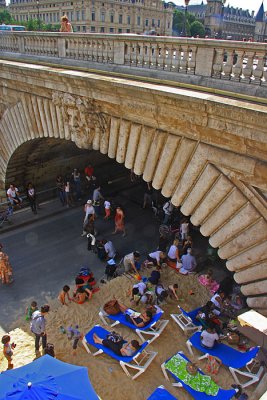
(209, 183)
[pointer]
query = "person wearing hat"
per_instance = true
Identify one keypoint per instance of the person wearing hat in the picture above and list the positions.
(65, 24)
(6, 273)
(89, 215)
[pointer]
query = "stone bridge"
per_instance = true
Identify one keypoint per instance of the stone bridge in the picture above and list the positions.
(206, 152)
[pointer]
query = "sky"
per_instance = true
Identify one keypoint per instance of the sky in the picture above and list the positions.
(245, 4)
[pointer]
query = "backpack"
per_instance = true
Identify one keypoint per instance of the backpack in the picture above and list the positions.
(50, 350)
(114, 337)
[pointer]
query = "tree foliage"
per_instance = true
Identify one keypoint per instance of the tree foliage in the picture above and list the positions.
(6, 18)
(197, 29)
(39, 25)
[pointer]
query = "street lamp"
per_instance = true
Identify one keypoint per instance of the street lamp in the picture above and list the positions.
(185, 15)
(38, 15)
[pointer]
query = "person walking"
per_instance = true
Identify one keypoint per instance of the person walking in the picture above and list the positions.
(31, 195)
(167, 209)
(61, 189)
(76, 176)
(38, 325)
(6, 272)
(97, 197)
(119, 221)
(89, 215)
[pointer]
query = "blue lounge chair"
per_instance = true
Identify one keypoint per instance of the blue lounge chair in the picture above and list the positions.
(161, 394)
(187, 320)
(221, 395)
(139, 361)
(153, 329)
(231, 358)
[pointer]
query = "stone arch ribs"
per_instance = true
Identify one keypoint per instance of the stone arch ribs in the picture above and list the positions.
(209, 183)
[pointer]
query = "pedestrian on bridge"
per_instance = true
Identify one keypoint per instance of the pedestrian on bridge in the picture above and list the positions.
(65, 24)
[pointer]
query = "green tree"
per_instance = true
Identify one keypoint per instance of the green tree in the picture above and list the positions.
(6, 18)
(197, 29)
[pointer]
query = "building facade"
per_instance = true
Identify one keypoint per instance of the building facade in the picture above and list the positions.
(2, 4)
(99, 16)
(261, 25)
(224, 22)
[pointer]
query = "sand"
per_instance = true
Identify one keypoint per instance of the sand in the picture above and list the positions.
(106, 375)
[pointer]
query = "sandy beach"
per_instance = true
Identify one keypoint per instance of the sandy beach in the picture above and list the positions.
(106, 375)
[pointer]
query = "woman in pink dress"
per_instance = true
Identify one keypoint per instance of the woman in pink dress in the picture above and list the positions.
(208, 282)
(119, 221)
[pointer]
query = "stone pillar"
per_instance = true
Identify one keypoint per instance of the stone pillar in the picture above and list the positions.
(204, 61)
(118, 52)
(61, 47)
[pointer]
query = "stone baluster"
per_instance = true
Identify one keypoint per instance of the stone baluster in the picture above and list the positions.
(140, 55)
(247, 70)
(204, 60)
(153, 60)
(184, 60)
(238, 57)
(127, 54)
(176, 59)
(168, 58)
(192, 60)
(227, 65)
(146, 55)
(218, 63)
(258, 71)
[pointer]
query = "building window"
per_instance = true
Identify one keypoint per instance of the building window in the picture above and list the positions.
(146, 22)
(92, 28)
(138, 20)
(102, 29)
(158, 23)
(102, 17)
(111, 30)
(119, 30)
(112, 18)
(84, 28)
(128, 19)
(78, 15)
(120, 19)
(153, 22)
(168, 25)
(93, 16)
(83, 15)
(127, 30)
(78, 28)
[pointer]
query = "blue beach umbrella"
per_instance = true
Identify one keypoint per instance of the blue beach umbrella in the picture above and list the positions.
(46, 379)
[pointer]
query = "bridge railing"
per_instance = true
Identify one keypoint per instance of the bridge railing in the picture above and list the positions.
(244, 62)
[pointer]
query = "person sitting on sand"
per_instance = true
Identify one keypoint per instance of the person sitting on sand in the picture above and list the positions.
(172, 289)
(82, 295)
(139, 320)
(120, 348)
(63, 294)
(207, 281)
(155, 258)
(155, 276)
(138, 291)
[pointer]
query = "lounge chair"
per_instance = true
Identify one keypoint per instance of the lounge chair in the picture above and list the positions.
(199, 395)
(153, 329)
(161, 394)
(187, 320)
(140, 361)
(231, 358)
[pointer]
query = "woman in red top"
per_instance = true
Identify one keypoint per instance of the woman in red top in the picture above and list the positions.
(119, 221)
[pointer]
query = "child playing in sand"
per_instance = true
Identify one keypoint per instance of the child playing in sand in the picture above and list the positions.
(82, 295)
(172, 289)
(63, 294)
(7, 350)
(30, 310)
(75, 335)
(208, 281)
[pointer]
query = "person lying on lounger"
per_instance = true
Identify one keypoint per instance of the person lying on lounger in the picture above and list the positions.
(140, 320)
(119, 347)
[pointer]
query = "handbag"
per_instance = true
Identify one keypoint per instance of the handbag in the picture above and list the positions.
(112, 307)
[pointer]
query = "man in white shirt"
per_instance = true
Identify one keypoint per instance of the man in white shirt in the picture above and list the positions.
(156, 258)
(184, 230)
(209, 337)
(167, 208)
(13, 196)
(131, 262)
(109, 248)
(89, 213)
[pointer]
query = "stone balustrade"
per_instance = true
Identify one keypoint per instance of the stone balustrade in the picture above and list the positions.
(218, 59)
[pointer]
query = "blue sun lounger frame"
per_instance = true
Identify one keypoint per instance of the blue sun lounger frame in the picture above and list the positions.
(161, 394)
(221, 395)
(140, 361)
(153, 329)
(231, 358)
(187, 320)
